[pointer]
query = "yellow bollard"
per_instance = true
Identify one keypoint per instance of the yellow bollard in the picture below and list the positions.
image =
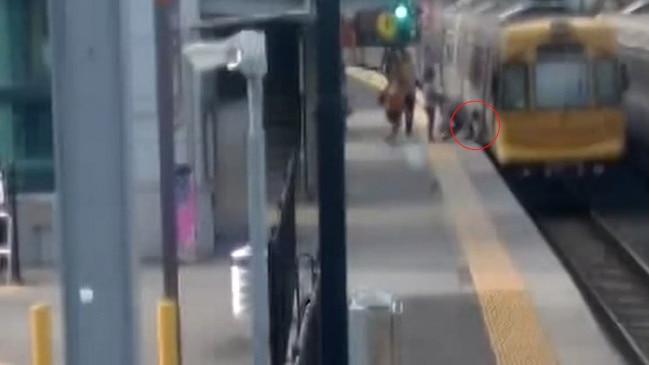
(40, 322)
(167, 333)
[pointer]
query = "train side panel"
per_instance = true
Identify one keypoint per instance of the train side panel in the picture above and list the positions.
(595, 135)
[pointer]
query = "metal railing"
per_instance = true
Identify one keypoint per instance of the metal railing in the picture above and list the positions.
(306, 350)
(283, 269)
(9, 254)
(294, 320)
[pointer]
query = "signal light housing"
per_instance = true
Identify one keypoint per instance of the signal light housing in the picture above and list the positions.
(407, 23)
(401, 12)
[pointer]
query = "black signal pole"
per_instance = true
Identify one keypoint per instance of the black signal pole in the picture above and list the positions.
(331, 187)
(164, 16)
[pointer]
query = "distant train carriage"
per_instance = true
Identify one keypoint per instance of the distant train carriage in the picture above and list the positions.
(556, 82)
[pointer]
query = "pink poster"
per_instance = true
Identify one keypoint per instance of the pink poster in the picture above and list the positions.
(185, 211)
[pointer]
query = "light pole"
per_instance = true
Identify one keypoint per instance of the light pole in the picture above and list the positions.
(94, 183)
(246, 52)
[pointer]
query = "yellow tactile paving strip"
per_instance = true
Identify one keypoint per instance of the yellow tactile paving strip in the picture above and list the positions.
(515, 333)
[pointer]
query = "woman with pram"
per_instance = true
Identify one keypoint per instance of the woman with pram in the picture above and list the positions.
(398, 97)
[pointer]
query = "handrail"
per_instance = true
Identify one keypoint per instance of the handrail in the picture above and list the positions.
(306, 351)
(289, 184)
(283, 268)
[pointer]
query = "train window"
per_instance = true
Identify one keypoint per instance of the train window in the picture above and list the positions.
(448, 52)
(513, 87)
(562, 84)
(477, 64)
(607, 82)
(560, 51)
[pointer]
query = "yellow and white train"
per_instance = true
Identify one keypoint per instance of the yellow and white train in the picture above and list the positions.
(556, 82)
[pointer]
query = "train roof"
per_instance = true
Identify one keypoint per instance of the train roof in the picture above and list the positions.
(595, 31)
(534, 18)
(523, 13)
(494, 15)
(581, 24)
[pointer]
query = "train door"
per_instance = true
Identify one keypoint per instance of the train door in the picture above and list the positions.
(447, 59)
(457, 39)
(209, 130)
(462, 61)
(489, 126)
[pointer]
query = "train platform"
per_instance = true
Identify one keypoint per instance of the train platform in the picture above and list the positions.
(433, 224)
(437, 226)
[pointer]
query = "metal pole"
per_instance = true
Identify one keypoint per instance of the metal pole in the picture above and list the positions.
(165, 98)
(11, 186)
(331, 187)
(164, 36)
(304, 164)
(92, 130)
(257, 219)
(251, 47)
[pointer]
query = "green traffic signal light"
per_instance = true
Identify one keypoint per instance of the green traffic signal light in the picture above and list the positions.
(401, 12)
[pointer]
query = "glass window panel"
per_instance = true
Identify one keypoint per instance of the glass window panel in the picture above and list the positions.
(27, 119)
(514, 86)
(33, 141)
(562, 84)
(607, 82)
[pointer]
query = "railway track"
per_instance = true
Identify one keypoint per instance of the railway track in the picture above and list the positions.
(602, 250)
(610, 275)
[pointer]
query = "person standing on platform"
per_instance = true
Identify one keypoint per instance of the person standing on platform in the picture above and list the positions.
(405, 76)
(393, 100)
(432, 99)
(401, 90)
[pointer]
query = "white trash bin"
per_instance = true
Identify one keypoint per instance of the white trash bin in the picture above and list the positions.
(241, 285)
(374, 328)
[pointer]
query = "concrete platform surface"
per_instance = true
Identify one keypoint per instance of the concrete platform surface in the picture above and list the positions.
(433, 224)
(480, 284)
(399, 242)
(210, 335)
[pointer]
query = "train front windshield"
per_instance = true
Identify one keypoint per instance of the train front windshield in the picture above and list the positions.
(570, 82)
(562, 80)
(514, 86)
(609, 87)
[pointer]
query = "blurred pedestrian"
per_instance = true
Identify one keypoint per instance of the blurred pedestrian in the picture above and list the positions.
(404, 74)
(392, 98)
(399, 96)
(431, 99)
(462, 121)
